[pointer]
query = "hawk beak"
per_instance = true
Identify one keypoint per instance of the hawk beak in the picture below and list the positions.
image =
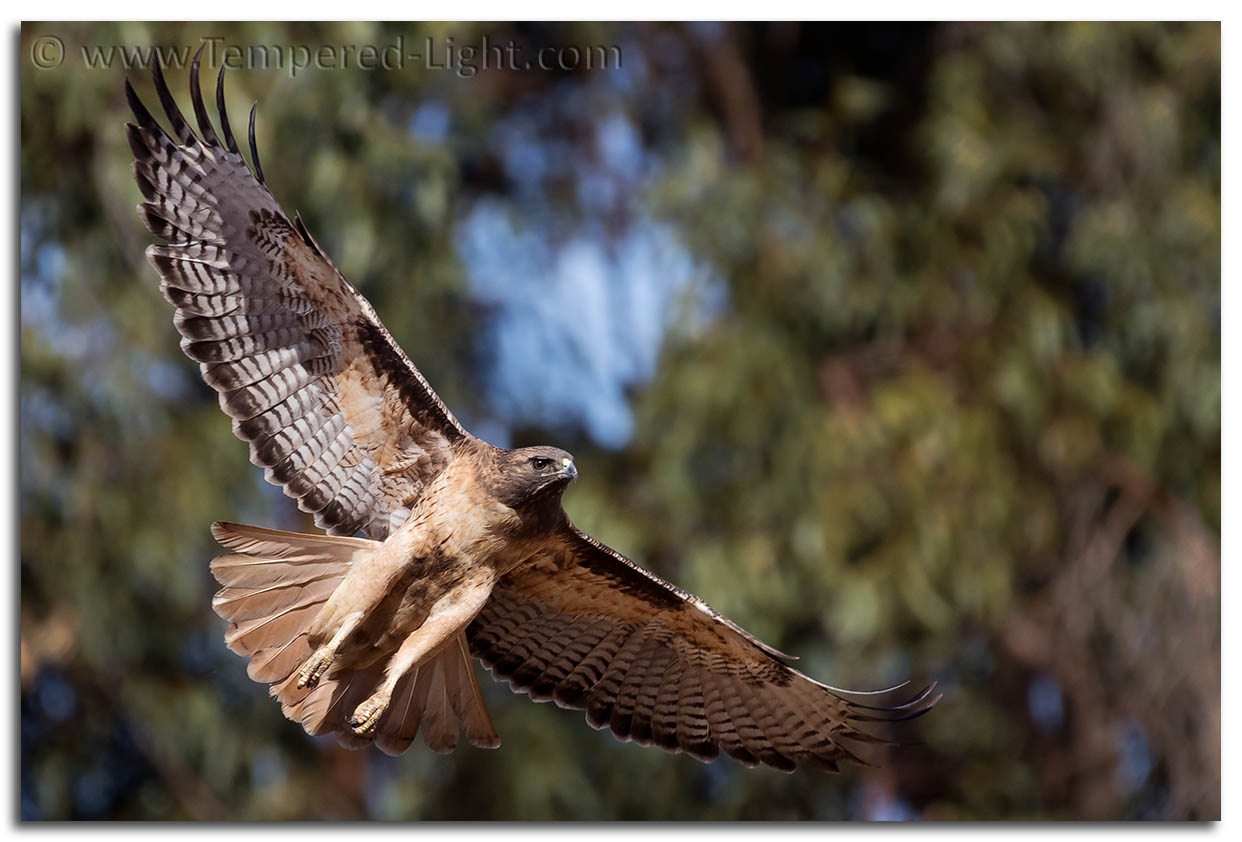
(568, 469)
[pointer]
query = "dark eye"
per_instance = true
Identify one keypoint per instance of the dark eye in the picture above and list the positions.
(539, 463)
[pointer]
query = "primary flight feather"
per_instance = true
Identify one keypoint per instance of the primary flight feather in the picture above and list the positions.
(467, 550)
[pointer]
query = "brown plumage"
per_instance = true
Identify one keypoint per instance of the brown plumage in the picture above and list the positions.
(467, 549)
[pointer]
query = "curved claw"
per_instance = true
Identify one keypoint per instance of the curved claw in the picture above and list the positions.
(315, 667)
(366, 717)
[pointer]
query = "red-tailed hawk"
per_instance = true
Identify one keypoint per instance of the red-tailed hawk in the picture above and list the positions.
(467, 549)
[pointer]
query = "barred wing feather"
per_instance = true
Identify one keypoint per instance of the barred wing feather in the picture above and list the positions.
(332, 408)
(582, 625)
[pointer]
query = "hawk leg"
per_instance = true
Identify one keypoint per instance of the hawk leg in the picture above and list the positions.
(449, 616)
(321, 661)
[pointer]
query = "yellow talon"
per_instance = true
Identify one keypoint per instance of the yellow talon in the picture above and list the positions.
(368, 714)
(315, 667)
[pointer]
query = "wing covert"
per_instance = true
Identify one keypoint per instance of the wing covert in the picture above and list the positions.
(584, 626)
(332, 408)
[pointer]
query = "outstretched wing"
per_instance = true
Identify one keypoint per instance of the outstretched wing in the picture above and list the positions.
(584, 626)
(333, 409)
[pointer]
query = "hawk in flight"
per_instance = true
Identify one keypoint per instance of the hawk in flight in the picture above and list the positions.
(465, 549)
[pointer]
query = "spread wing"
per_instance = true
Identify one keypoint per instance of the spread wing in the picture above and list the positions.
(584, 626)
(333, 409)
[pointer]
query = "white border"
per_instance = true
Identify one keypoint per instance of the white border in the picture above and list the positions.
(641, 9)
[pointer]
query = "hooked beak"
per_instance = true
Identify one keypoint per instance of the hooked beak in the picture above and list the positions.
(568, 469)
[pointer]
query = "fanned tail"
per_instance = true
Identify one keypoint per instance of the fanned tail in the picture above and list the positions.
(274, 584)
(442, 697)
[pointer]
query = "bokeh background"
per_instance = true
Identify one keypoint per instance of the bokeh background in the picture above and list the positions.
(898, 344)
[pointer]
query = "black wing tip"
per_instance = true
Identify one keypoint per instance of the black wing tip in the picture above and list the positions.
(912, 708)
(196, 97)
(157, 70)
(229, 141)
(254, 147)
(139, 109)
(184, 133)
(181, 128)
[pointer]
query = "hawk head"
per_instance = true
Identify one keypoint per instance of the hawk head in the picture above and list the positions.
(532, 477)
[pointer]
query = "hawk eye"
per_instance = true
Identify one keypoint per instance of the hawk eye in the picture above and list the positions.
(539, 463)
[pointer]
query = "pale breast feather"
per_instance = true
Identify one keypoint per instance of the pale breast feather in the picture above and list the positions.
(333, 410)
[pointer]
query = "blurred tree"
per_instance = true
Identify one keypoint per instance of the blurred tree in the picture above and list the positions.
(899, 344)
